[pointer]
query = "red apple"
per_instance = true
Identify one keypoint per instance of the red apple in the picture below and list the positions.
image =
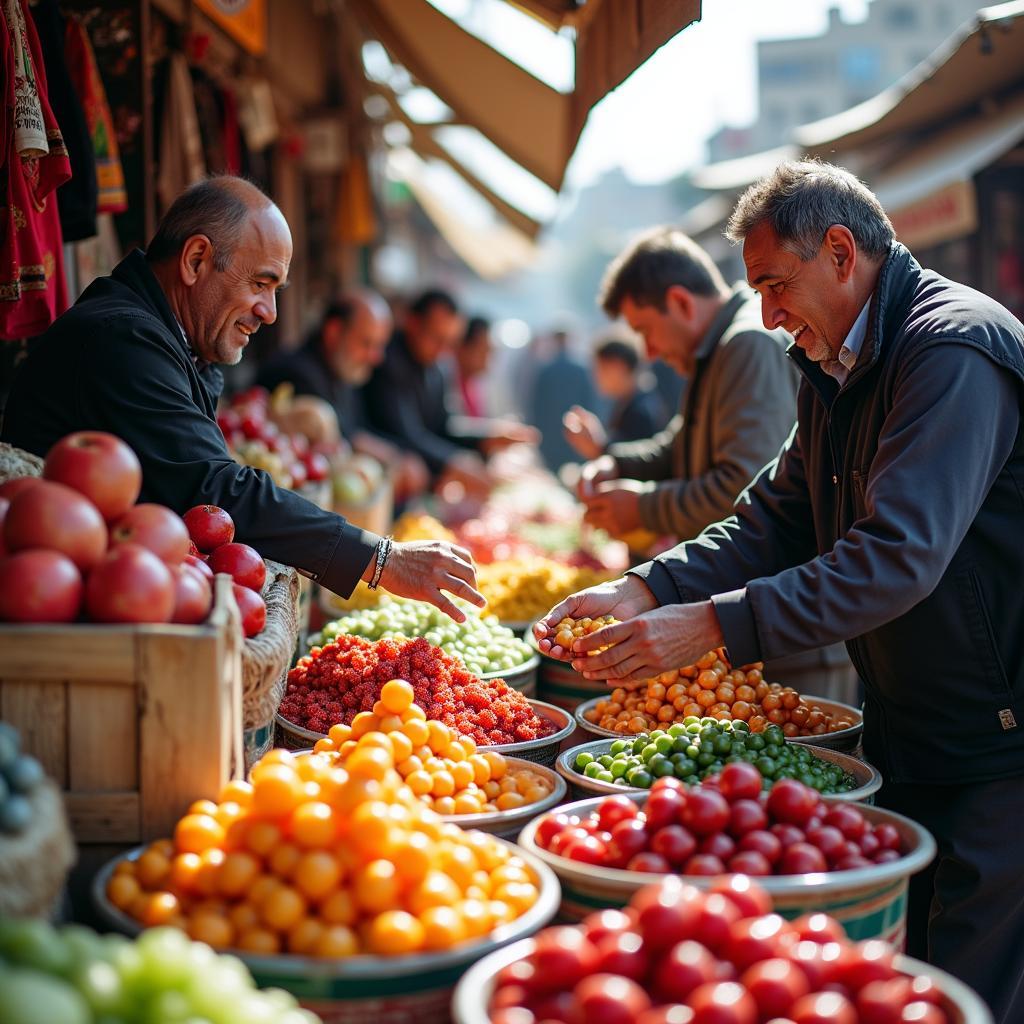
(193, 595)
(130, 585)
(242, 563)
(39, 586)
(4, 506)
(209, 526)
(252, 608)
(153, 527)
(200, 566)
(52, 515)
(100, 466)
(9, 488)
(317, 467)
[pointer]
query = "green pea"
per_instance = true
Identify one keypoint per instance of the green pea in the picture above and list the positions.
(583, 759)
(592, 770)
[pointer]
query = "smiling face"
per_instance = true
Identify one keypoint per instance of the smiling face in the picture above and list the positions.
(816, 300)
(671, 334)
(226, 307)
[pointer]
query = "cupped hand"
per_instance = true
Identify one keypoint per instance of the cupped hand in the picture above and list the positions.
(584, 432)
(650, 643)
(594, 473)
(622, 599)
(429, 570)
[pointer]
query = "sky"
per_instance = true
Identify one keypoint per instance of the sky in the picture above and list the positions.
(655, 124)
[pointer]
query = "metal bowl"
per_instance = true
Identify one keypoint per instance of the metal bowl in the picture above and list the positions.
(869, 779)
(473, 993)
(540, 751)
(842, 739)
(522, 678)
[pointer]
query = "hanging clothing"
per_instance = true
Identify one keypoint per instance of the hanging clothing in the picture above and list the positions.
(85, 75)
(33, 291)
(76, 199)
(181, 145)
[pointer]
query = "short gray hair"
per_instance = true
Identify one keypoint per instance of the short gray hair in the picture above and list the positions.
(802, 199)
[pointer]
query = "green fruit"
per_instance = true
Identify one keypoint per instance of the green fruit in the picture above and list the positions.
(34, 943)
(31, 997)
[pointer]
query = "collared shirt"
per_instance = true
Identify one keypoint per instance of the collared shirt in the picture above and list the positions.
(840, 368)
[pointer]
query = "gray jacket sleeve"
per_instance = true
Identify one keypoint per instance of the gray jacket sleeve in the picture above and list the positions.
(750, 391)
(939, 452)
(650, 459)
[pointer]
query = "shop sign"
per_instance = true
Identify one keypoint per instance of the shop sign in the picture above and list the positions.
(947, 213)
(244, 20)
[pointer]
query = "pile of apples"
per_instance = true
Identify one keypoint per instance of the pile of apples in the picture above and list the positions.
(74, 544)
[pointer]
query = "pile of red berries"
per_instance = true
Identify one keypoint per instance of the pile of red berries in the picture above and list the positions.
(725, 824)
(333, 683)
(677, 955)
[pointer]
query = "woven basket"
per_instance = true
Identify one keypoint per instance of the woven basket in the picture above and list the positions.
(34, 863)
(266, 659)
(14, 463)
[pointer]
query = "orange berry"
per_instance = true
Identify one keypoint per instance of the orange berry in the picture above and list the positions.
(442, 928)
(260, 890)
(184, 871)
(336, 942)
(277, 790)
(207, 872)
(304, 936)
(376, 886)
(481, 769)
(436, 890)
(213, 929)
(339, 908)
(397, 695)
(444, 805)
(237, 872)
(152, 869)
(442, 783)
(463, 775)
(394, 933)
(243, 916)
(158, 908)
(258, 940)
(438, 736)
(197, 832)
(283, 860)
(283, 908)
(510, 801)
(401, 745)
(123, 890)
(316, 874)
(369, 763)
(203, 807)
(262, 837)
(314, 824)
(414, 713)
(339, 733)
(363, 723)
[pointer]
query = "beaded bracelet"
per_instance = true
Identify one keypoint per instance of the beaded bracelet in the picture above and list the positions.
(383, 550)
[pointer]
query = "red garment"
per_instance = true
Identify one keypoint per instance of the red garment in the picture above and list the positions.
(33, 292)
(472, 397)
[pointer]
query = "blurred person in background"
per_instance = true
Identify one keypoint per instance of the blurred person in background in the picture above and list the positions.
(559, 384)
(405, 398)
(471, 361)
(636, 411)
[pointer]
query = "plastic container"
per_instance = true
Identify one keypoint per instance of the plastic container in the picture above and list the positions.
(870, 903)
(542, 751)
(473, 993)
(843, 739)
(869, 778)
(399, 990)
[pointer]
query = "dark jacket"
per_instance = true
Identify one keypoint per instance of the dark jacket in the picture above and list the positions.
(893, 519)
(117, 361)
(738, 408)
(406, 400)
(637, 418)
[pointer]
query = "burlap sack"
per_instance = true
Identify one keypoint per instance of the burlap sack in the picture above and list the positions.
(14, 463)
(34, 863)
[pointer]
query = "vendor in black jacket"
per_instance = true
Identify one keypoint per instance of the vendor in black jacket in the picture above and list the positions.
(893, 520)
(138, 356)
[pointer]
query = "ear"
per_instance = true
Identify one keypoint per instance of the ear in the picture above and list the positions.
(196, 253)
(679, 301)
(841, 248)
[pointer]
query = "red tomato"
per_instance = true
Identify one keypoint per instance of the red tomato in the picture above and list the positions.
(209, 526)
(865, 962)
(317, 467)
(819, 928)
(560, 840)
(746, 815)
(791, 801)
(607, 999)
(848, 820)
(714, 919)
(651, 863)
(882, 1002)
(674, 843)
(829, 840)
(667, 913)
(667, 782)
(887, 835)
(550, 825)
(754, 938)
(852, 862)
(749, 862)
(823, 1008)
(723, 1002)
(739, 781)
(562, 956)
(869, 845)
(506, 996)
(623, 954)
(666, 807)
(603, 923)
(98, 465)
(131, 584)
(787, 834)
(886, 856)
(673, 1013)
(252, 608)
(685, 967)
(705, 812)
(819, 962)
(242, 563)
(587, 851)
(630, 837)
(511, 1015)
(614, 809)
(39, 586)
(775, 986)
(704, 864)
(920, 1012)
(765, 843)
(557, 1007)
(801, 858)
(718, 845)
(747, 896)
(518, 974)
(153, 527)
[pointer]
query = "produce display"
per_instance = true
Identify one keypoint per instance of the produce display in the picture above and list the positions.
(569, 630)
(523, 590)
(729, 823)
(75, 545)
(711, 689)
(419, 526)
(20, 775)
(333, 683)
(676, 955)
(441, 767)
(482, 644)
(696, 748)
(326, 861)
(71, 975)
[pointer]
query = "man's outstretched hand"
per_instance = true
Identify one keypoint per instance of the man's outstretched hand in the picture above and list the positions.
(429, 570)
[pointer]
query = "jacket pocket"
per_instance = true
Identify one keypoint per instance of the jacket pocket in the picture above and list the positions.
(859, 479)
(984, 637)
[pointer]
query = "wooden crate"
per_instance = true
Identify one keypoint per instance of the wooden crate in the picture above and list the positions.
(133, 722)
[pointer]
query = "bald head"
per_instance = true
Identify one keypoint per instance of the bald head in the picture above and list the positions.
(219, 208)
(354, 334)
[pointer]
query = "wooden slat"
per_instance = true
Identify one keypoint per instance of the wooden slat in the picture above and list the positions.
(74, 652)
(38, 710)
(103, 739)
(104, 817)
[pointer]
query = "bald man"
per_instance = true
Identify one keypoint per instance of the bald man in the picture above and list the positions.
(334, 364)
(138, 356)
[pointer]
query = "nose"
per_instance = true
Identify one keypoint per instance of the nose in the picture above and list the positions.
(772, 314)
(266, 307)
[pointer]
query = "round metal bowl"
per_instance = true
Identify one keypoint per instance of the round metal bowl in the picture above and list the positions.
(869, 902)
(869, 779)
(474, 992)
(522, 678)
(540, 751)
(842, 739)
(412, 989)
